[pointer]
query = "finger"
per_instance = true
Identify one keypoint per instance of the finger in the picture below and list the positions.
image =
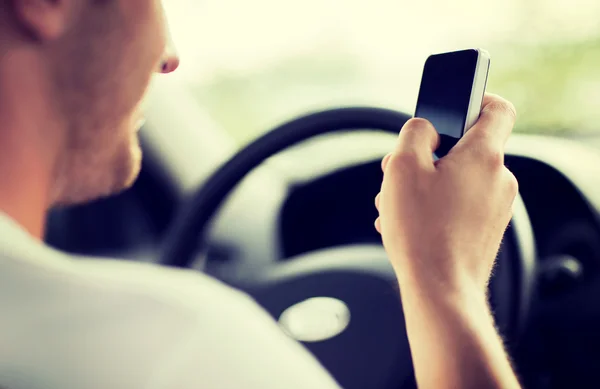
(418, 140)
(377, 200)
(385, 161)
(378, 225)
(494, 126)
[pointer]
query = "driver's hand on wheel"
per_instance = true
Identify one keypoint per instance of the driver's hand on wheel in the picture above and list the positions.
(442, 222)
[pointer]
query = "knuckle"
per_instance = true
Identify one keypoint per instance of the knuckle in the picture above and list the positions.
(385, 161)
(490, 158)
(495, 159)
(403, 160)
(512, 183)
(500, 106)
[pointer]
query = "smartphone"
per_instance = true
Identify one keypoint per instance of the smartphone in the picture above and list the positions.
(451, 93)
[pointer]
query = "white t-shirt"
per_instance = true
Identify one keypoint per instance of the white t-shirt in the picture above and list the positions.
(78, 323)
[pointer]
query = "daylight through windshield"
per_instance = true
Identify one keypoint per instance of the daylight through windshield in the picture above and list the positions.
(252, 64)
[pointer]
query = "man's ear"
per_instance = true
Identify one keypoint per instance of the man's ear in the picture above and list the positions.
(45, 19)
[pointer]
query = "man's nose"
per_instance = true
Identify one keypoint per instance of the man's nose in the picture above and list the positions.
(170, 60)
(169, 63)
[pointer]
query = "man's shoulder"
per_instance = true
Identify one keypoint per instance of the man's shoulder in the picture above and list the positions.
(185, 299)
(186, 289)
(126, 324)
(228, 331)
(118, 321)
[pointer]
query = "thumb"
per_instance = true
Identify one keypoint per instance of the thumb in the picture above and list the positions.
(417, 142)
(491, 132)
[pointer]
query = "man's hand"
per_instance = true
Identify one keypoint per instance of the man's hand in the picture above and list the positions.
(442, 223)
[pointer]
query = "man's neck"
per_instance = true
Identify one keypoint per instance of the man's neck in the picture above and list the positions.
(24, 177)
(27, 146)
(23, 199)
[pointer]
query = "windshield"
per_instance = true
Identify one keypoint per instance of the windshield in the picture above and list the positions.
(253, 64)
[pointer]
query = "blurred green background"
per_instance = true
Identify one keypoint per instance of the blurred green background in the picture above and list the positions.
(255, 64)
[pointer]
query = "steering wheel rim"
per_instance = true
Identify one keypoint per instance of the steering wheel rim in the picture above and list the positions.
(188, 234)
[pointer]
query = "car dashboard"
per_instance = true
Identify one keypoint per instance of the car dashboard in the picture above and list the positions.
(334, 210)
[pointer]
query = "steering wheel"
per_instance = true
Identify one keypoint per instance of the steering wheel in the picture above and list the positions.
(356, 325)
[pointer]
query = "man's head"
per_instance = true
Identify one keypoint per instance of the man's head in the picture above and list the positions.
(84, 65)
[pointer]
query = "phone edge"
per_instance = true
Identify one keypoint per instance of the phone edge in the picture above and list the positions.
(478, 88)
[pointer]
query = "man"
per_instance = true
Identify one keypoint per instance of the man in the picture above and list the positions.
(72, 73)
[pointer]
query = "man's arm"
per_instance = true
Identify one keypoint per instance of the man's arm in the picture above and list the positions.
(442, 223)
(453, 339)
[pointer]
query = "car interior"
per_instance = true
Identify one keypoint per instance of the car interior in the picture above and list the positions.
(261, 170)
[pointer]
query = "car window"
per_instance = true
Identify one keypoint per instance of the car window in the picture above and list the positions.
(252, 64)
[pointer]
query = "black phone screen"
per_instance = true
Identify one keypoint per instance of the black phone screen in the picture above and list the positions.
(445, 94)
